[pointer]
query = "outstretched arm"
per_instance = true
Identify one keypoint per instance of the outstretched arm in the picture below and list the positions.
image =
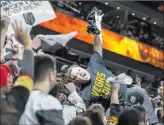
(4, 22)
(98, 38)
(98, 44)
(114, 106)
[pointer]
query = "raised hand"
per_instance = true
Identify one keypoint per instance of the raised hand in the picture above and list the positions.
(71, 87)
(98, 19)
(22, 34)
(115, 87)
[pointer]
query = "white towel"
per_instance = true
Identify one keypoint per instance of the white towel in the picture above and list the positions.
(62, 39)
(121, 79)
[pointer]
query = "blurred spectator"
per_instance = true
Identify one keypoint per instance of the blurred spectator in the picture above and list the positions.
(128, 116)
(114, 106)
(85, 11)
(4, 27)
(142, 114)
(156, 82)
(160, 116)
(13, 51)
(95, 116)
(77, 106)
(160, 90)
(138, 96)
(98, 108)
(80, 121)
(6, 78)
(14, 100)
(15, 70)
(41, 107)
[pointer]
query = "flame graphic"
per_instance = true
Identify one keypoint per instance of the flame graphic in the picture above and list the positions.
(111, 41)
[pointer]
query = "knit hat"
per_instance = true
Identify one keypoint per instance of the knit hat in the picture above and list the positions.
(5, 72)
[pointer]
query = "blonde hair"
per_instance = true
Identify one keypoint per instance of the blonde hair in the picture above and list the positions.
(70, 69)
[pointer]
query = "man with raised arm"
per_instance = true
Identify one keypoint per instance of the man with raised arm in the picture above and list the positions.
(13, 100)
(99, 86)
(95, 80)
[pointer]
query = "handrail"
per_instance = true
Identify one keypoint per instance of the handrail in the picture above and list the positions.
(107, 61)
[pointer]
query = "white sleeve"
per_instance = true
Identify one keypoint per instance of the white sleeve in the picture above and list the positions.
(75, 99)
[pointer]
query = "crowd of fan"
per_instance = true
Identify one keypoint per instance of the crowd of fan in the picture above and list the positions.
(139, 31)
(33, 93)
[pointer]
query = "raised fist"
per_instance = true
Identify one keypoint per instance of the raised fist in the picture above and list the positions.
(71, 87)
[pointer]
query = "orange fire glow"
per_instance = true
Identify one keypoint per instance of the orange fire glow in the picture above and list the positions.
(111, 41)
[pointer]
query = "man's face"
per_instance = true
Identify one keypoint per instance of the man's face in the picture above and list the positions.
(160, 90)
(59, 80)
(11, 79)
(10, 82)
(15, 48)
(80, 74)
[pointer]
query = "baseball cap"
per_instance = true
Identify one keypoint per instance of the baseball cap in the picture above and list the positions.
(134, 98)
(5, 72)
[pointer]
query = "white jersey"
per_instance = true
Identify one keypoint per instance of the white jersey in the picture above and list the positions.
(42, 109)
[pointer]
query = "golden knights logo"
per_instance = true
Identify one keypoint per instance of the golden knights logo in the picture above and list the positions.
(29, 18)
(133, 99)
